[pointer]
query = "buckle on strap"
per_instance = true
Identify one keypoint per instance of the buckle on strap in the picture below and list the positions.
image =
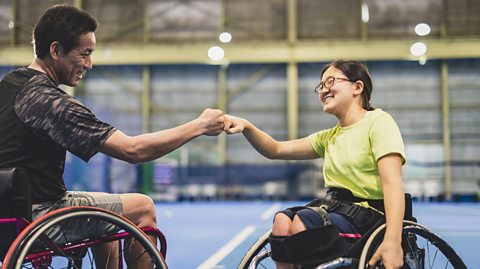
(330, 205)
(354, 211)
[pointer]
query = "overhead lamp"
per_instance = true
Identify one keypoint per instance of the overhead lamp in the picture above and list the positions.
(365, 13)
(422, 29)
(225, 37)
(418, 49)
(216, 53)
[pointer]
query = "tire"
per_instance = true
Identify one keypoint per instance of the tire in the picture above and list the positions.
(34, 247)
(422, 248)
(261, 244)
(425, 250)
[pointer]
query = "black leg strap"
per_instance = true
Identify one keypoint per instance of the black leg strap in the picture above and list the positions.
(308, 246)
(360, 216)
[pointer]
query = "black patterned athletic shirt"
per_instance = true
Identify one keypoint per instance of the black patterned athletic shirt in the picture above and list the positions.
(38, 123)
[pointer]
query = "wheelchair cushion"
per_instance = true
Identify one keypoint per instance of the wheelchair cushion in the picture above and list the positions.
(15, 202)
(306, 247)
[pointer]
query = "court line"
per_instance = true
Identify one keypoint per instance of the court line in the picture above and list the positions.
(227, 248)
(459, 233)
(270, 211)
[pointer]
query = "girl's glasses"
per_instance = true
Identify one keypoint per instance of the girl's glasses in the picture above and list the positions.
(328, 83)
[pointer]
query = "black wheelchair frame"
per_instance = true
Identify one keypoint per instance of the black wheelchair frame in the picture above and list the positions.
(422, 249)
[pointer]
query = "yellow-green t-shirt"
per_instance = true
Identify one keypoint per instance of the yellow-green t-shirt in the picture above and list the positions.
(351, 153)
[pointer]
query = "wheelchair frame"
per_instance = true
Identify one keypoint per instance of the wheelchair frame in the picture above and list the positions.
(28, 234)
(260, 250)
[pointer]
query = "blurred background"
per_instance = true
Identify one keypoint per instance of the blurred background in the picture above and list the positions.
(159, 63)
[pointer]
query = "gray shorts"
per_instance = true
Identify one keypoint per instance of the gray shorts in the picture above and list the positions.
(78, 229)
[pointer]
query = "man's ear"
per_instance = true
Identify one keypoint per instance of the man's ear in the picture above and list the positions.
(55, 50)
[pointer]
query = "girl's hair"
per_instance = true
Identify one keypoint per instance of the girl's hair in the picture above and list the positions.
(354, 71)
(64, 24)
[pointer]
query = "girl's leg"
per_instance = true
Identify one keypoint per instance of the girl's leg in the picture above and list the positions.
(282, 226)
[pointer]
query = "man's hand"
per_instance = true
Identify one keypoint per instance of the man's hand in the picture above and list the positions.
(211, 121)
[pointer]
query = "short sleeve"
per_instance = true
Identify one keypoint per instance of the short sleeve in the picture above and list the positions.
(318, 141)
(55, 115)
(385, 138)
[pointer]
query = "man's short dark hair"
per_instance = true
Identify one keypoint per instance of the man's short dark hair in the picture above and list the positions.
(64, 24)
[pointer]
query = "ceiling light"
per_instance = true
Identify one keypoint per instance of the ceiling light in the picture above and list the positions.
(225, 37)
(422, 29)
(418, 49)
(216, 53)
(365, 13)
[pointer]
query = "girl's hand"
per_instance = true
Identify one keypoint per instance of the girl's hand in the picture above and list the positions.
(233, 125)
(390, 253)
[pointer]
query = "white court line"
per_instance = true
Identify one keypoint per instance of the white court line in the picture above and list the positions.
(227, 248)
(272, 210)
(460, 233)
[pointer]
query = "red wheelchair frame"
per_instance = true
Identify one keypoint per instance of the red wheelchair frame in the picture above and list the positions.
(20, 213)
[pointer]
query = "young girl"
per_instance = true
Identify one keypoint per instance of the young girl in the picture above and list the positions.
(363, 154)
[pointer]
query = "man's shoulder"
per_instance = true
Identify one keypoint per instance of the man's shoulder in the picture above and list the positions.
(18, 76)
(38, 80)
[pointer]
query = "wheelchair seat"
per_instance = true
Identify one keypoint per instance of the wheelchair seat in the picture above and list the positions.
(15, 203)
(15, 193)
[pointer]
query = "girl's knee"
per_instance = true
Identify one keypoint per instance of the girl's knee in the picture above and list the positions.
(297, 225)
(281, 225)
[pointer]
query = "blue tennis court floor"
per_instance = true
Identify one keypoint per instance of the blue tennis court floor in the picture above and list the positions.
(217, 234)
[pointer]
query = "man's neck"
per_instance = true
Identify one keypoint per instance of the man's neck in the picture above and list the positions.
(44, 66)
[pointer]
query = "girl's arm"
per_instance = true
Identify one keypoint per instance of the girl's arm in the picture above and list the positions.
(299, 149)
(390, 250)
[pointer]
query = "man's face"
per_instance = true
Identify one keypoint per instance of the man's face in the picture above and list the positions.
(72, 66)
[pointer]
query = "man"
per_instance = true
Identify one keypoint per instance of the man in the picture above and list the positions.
(39, 121)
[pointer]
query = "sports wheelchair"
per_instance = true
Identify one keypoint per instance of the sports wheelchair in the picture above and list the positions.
(421, 248)
(46, 243)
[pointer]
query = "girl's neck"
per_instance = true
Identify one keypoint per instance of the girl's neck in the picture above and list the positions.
(351, 116)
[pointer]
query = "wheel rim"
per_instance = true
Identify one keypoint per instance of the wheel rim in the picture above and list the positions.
(59, 255)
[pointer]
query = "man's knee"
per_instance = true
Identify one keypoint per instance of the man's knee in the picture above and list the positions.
(140, 209)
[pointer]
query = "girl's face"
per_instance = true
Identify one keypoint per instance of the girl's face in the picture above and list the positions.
(337, 91)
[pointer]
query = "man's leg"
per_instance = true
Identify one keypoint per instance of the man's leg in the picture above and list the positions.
(140, 210)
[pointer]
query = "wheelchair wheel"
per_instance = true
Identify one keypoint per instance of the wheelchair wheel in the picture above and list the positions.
(258, 254)
(422, 248)
(48, 243)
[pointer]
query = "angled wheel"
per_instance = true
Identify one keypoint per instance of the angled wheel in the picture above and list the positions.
(258, 254)
(101, 239)
(422, 248)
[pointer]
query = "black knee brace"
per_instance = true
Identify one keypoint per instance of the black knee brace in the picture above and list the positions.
(310, 246)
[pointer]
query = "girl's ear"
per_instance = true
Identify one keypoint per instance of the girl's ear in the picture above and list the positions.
(358, 87)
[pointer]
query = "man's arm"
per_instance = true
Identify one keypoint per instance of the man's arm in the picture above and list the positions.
(146, 147)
